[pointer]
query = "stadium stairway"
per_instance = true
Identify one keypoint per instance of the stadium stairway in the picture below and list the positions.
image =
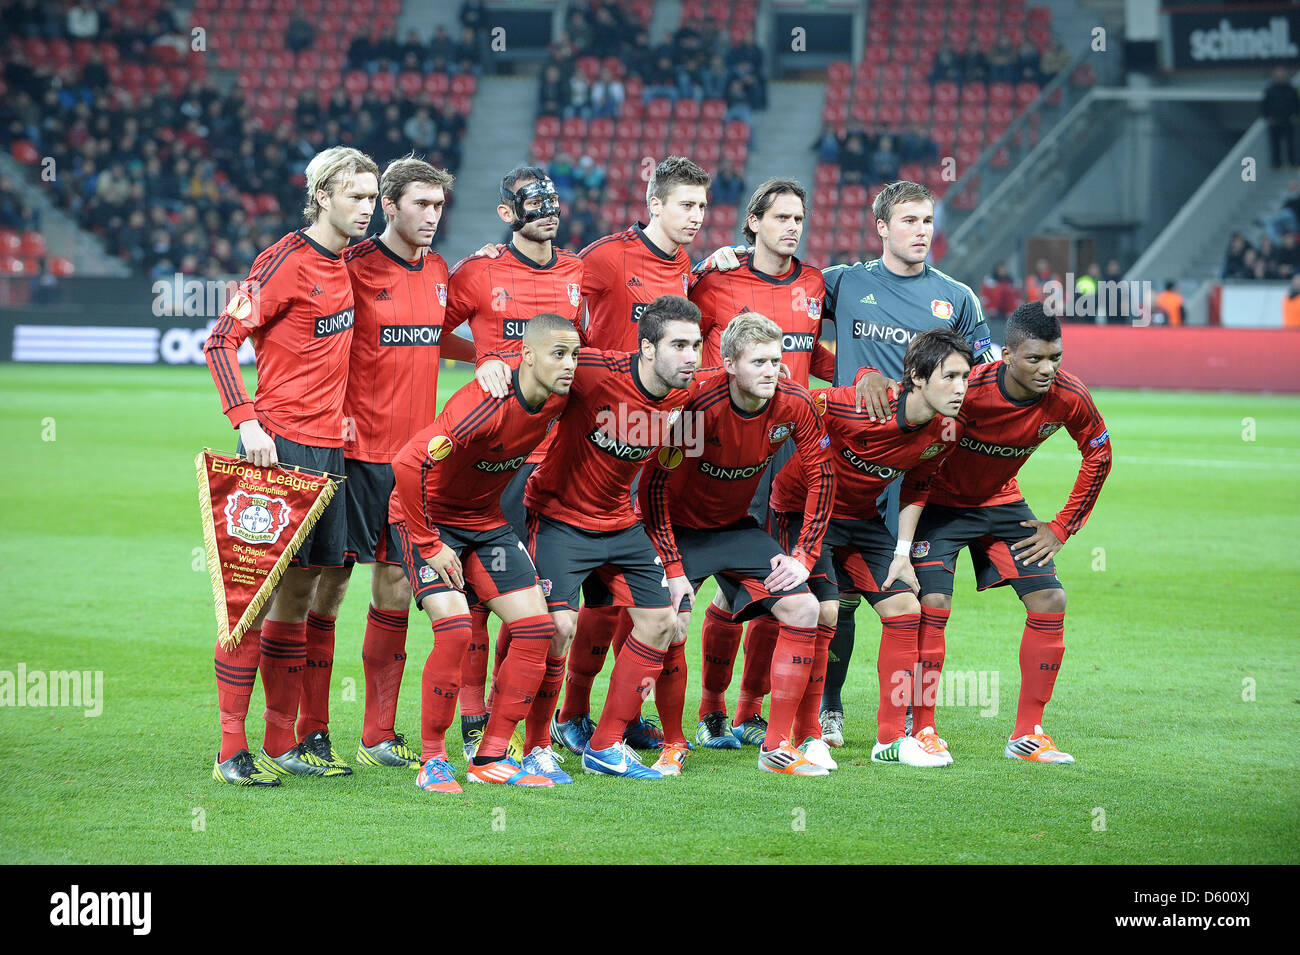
(783, 138)
(63, 237)
(496, 138)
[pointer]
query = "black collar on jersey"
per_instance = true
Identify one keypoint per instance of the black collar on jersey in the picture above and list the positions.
(398, 259)
(519, 394)
(636, 380)
(901, 418)
(639, 229)
(772, 279)
(320, 248)
(762, 409)
(1002, 387)
(529, 262)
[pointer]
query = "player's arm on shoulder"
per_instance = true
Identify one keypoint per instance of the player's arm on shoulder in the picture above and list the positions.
(871, 389)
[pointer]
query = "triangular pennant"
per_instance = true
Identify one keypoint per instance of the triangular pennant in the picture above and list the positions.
(254, 521)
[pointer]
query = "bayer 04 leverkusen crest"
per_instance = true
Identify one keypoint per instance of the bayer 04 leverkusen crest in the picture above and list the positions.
(254, 521)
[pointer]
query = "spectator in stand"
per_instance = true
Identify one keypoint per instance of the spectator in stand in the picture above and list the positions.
(738, 104)
(588, 175)
(82, 22)
(974, 65)
(827, 144)
(442, 46)
(946, 67)
(1287, 255)
(413, 47)
(579, 103)
(1286, 219)
(563, 175)
(471, 55)
(583, 228)
(1034, 284)
(299, 36)
(728, 186)
(608, 27)
(552, 92)
(713, 79)
(998, 294)
(606, 95)
(1114, 271)
(690, 78)
(639, 57)
(1267, 258)
(364, 50)
(1028, 63)
(1281, 109)
(473, 15)
(746, 59)
(915, 146)
(885, 161)
(1002, 61)
(1245, 266)
(855, 162)
(1054, 60)
(662, 81)
(578, 28)
(1233, 261)
(421, 130)
(1169, 306)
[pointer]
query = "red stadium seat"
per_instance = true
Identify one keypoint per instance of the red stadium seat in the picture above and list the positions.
(659, 109)
(543, 149)
(1026, 93)
(625, 153)
(61, 267)
(410, 83)
(839, 74)
(589, 66)
(686, 109)
(355, 82)
(437, 85)
(615, 66)
(736, 152)
(464, 84)
(547, 126)
(945, 114)
(574, 128)
(654, 131)
(736, 131)
(382, 84)
(713, 109)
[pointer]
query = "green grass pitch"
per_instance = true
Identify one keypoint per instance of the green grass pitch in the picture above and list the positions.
(1178, 695)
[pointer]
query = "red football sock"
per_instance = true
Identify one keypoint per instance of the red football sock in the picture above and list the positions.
(383, 658)
(670, 693)
(805, 722)
(440, 684)
(284, 657)
(756, 675)
(473, 673)
(898, 638)
(929, 656)
(515, 687)
(635, 671)
(236, 675)
(596, 626)
(622, 630)
(499, 656)
(720, 636)
(314, 705)
(537, 724)
(1041, 648)
(792, 662)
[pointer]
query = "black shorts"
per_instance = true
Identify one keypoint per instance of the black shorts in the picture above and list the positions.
(326, 542)
(494, 563)
(739, 558)
(862, 552)
(618, 568)
(370, 537)
(989, 532)
(786, 528)
(512, 501)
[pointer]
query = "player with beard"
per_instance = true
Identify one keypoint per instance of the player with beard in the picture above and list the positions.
(297, 306)
(496, 291)
(584, 535)
(1012, 407)
(624, 272)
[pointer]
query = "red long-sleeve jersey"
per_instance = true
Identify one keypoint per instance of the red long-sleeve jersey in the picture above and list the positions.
(396, 346)
(610, 428)
(623, 273)
(716, 488)
(1002, 433)
(498, 296)
(297, 306)
(453, 471)
(868, 455)
(792, 300)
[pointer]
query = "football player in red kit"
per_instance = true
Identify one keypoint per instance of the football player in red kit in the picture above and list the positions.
(624, 272)
(297, 306)
(1012, 407)
(869, 454)
(584, 535)
(458, 548)
(496, 291)
(697, 510)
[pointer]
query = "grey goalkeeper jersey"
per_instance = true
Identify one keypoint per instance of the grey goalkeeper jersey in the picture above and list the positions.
(878, 313)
